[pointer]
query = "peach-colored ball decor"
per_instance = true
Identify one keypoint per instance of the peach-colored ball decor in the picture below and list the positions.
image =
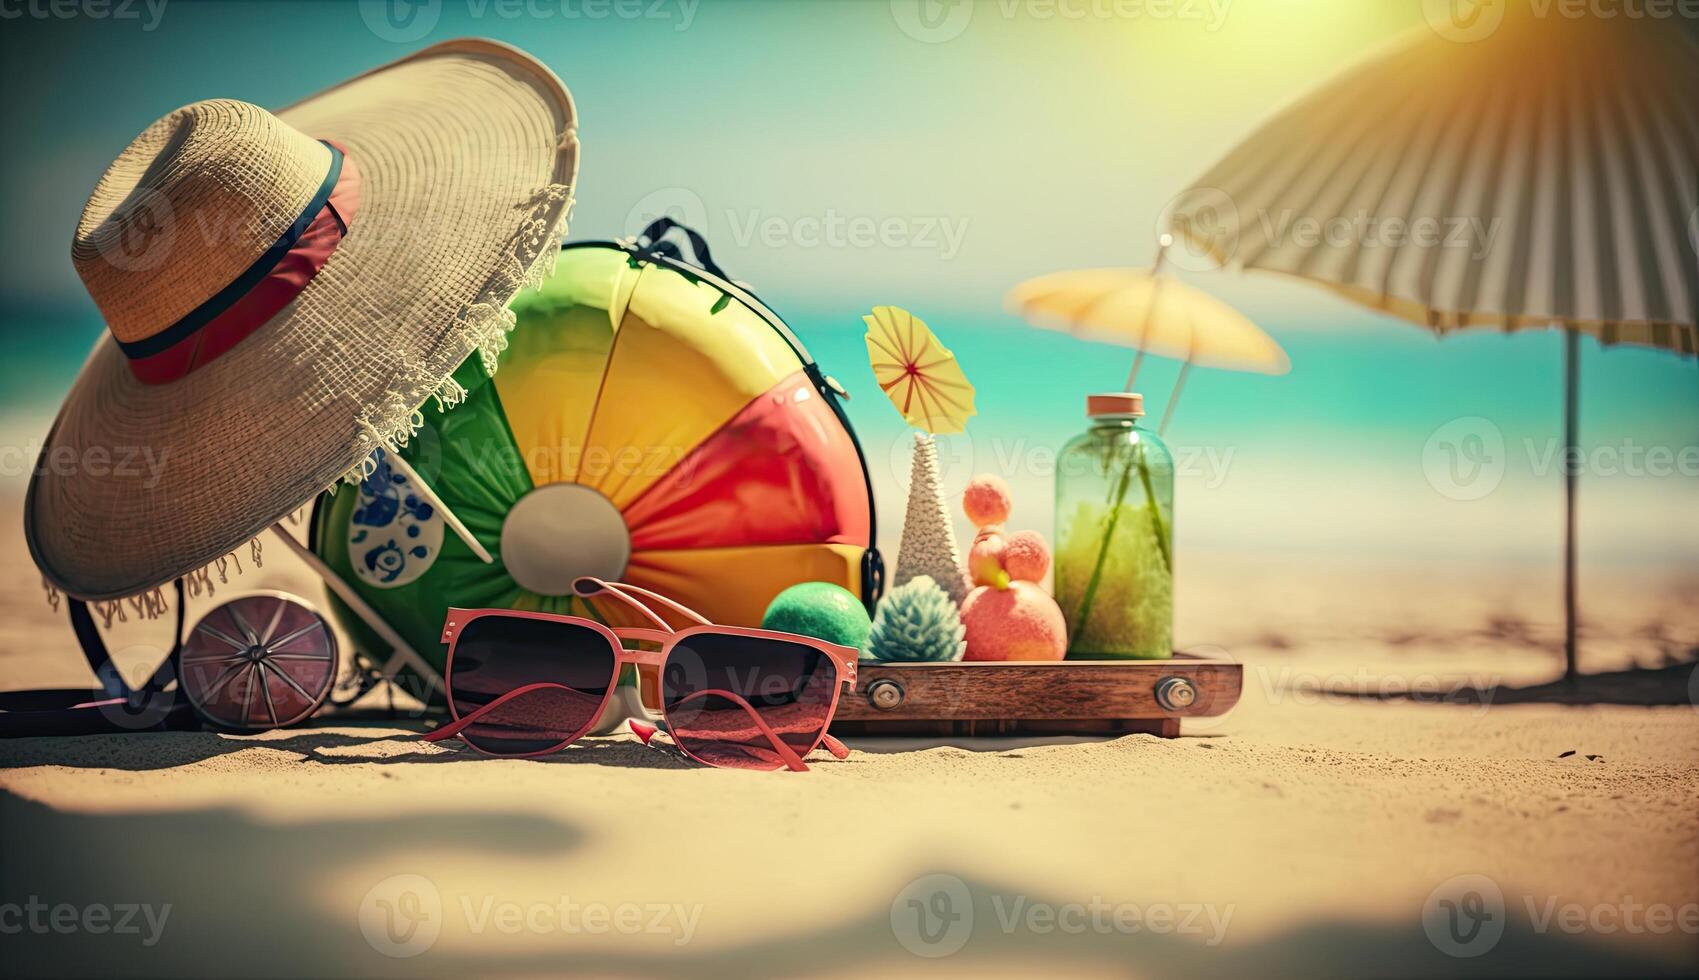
(1020, 622)
(987, 500)
(1008, 616)
(985, 559)
(1026, 556)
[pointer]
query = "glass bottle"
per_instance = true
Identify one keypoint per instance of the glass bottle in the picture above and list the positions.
(1115, 536)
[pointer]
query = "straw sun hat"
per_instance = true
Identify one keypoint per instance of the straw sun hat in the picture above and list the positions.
(283, 294)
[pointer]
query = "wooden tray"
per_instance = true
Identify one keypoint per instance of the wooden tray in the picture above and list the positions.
(1073, 697)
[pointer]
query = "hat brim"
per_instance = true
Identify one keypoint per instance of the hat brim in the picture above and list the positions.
(467, 152)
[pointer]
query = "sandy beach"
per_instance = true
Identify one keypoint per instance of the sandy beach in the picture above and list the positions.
(1319, 828)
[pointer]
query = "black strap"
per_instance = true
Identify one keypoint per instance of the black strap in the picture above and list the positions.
(100, 660)
(652, 242)
(115, 707)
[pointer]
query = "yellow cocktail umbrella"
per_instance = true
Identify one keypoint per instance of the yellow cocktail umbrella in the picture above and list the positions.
(917, 372)
(921, 377)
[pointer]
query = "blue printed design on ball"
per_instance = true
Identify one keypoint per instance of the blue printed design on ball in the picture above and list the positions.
(395, 534)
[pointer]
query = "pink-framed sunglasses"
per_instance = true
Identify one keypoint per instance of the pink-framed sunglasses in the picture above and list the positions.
(524, 684)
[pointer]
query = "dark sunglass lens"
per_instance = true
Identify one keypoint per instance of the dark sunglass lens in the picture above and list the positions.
(723, 693)
(499, 654)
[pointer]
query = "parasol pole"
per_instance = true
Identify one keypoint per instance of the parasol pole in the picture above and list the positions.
(1174, 399)
(1571, 474)
(1132, 376)
(1162, 244)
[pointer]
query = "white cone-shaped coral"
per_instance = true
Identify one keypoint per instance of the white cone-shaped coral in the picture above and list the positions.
(929, 538)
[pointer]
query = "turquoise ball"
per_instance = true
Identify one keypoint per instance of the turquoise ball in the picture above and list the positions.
(821, 610)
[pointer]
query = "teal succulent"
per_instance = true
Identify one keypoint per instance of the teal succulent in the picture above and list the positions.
(917, 621)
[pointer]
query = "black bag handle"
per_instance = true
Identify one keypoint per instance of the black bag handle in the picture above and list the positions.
(652, 238)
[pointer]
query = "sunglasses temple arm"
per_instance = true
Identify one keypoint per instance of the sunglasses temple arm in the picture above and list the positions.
(838, 749)
(589, 587)
(630, 595)
(784, 751)
(460, 724)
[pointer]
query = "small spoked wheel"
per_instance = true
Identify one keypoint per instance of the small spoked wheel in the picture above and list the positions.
(259, 661)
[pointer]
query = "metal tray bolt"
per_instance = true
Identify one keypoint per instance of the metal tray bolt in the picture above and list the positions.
(885, 695)
(1175, 693)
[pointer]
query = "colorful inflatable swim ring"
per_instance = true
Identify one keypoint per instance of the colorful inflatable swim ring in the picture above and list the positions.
(648, 422)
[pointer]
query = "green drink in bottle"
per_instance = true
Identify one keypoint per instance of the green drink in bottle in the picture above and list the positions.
(1115, 543)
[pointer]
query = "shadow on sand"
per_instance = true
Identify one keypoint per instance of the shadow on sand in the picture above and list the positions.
(252, 897)
(145, 751)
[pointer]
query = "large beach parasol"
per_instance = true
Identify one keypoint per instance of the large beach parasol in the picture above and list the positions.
(1521, 169)
(1153, 313)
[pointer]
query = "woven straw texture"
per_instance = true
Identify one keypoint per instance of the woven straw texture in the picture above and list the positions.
(467, 152)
